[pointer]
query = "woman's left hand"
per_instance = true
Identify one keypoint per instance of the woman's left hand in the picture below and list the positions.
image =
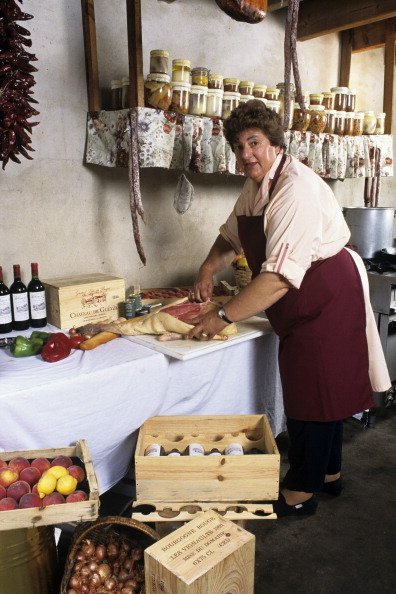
(206, 326)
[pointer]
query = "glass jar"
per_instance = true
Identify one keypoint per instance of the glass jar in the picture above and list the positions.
(316, 98)
(181, 70)
(214, 103)
(369, 122)
(358, 117)
(273, 104)
(350, 100)
(339, 123)
(272, 94)
(125, 92)
(318, 119)
(157, 91)
(281, 87)
(231, 85)
(259, 91)
(200, 76)
(330, 123)
(180, 102)
(246, 98)
(348, 123)
(380, 126)
(215, 81)
(159, 62)
(301, 118)
(328, 100)
(230, 102)
(198, 95)
(246, 87)
(116, 94)
(340, 97)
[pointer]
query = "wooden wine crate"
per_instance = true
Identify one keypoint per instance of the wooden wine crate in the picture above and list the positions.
(82, 299)
(252, 477)
(56, 514)
(208, 554)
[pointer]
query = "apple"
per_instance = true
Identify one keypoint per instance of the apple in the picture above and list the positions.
(3, 492)
(62, 461)
(8, 476)
(76, 496)
(42, 464)
(18, 464)
(53, 499)
(17, 489)
(3, 464)
(77, 472)
(29, 500)
(8, 503)
(31, 475)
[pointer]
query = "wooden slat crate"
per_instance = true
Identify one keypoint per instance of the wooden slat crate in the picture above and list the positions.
(55, 514)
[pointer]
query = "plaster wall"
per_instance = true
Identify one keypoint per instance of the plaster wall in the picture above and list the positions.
(75, 219)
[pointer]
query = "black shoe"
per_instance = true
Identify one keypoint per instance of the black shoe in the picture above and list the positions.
(333, 488)
(281, 508)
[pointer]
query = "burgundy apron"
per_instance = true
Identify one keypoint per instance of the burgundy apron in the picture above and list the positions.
(323, 353)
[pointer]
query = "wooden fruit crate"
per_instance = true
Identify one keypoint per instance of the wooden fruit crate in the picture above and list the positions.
(225, 478)
(55, 514)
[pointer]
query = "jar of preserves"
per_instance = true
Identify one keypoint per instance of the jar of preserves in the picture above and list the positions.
(318, 119)
(273, 104)
(246, 87)
(328, 100)
(330, 123)
(340, 97)
(246, 98)
(259, 91)
(116, 94)
(214, 103)
(198, 95)
(358, 117)
(301, 118)
(350, 100)
(215, 81)
(157, 91)
(181, 70)
(316, 98)
(272, 94)
(230, 102)
(339, 123)
(369, 122)
(200, 76)
(380, 126)
(125, 92)
(281, 87)
(180, 97)
(159, 62)
(231, 85)
(348, 123)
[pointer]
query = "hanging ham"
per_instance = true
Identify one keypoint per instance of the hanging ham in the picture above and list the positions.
(247, 11)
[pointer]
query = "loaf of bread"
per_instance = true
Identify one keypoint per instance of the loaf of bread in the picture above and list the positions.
(97, 340)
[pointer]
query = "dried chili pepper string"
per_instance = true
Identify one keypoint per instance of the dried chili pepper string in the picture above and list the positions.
(291, 59)
(135, 198)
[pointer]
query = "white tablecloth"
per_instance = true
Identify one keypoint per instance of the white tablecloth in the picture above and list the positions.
(105, 395)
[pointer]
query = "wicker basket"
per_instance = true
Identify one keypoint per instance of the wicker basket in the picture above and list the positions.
(103, 531)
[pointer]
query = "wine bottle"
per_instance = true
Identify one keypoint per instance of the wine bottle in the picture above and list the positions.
(36, 293)
(19, 302)
(5, 307)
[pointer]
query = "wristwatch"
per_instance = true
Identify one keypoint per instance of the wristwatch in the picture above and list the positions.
(222, 314)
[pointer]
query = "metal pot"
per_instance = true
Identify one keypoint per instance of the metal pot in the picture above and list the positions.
(371, 228)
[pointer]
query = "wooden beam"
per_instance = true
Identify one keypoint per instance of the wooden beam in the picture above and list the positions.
(389, 74)
(135, 53)
(369, 36)
(91, 55)
(321, 18)
(345, 57)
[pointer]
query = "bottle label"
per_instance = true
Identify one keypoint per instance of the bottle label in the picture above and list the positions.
(38, 309)
(5, 309)
(234, 449)
(21, 307)
(195, 449)
(153, 450)
(174, 454)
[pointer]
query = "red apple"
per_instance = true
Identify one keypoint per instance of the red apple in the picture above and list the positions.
(29, 500)
(53, 499)
(62, 461)
(31, 475)
(42, 464)
(3, 464)
(3, 492)
(76, 496)
(17, 489)
(77, 472)
(8, 476)
(8, 503)
(18, 464)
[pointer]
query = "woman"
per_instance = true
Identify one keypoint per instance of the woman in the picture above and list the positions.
(290, 227)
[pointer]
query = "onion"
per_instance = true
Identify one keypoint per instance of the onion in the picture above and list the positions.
(126, 546)
(112, 550)
(128, 590)
(104, 571)
(93, 566)
(85, 571)
(123, 575)
(110, 583)
(95, 580)
(88, 548)
(84, 588)
(128, 564)
(132, 584)
(100, 552)
(72, 591)
(80, 555)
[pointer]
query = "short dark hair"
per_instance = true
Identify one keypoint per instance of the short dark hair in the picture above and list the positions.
(254, 114)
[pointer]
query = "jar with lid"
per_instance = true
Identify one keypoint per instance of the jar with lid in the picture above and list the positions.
(181, 70)
(340, 97)
(339, 123)
(273, 104)
(330, 123)
(369, 122)
(200, 76)
(125, 91)
(180, 102)
(159, 61)
(318, 119)
(246, 87)
(259, 91)
(358, 117)
(380, 126)
(116, 94)
(246, 98)
(301, 118)
(350, 100)
(214, 103)
(328, 100)
(215, 81)
(157, 91)
(316, 98)
(348, 123)
(231, 85)
(272, 94)
(230, 102)
(198, 95)
(281, 87)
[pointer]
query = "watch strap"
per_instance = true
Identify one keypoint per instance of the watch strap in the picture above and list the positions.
(222, 314)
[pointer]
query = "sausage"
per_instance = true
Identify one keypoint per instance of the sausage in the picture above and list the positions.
(97, 340)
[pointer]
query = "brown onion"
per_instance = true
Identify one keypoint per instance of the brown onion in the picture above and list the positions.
(80, 556)
(85, 571)
(128, 564)
(104, 571)
(128, 590)
(123, 575)
(100, 552)
(112, 550)
(84, 588)
(110, 583)
(72, 591)
(88, 548)
(132, 584)
(126, 546)
(74, 581)
(95, 580)
(93, 566)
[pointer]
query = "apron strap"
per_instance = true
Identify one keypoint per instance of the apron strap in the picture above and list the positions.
(277, 174)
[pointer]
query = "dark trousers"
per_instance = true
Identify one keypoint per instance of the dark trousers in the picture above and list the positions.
(315, 450)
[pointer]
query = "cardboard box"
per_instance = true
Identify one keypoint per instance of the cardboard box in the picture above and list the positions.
(56, 514)
(252, 477)
(78, 300)
(208, 554)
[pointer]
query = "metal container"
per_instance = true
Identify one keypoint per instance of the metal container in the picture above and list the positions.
(27, 561)
(371, 228)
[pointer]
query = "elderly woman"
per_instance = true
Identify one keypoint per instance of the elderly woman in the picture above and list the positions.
(292, 231)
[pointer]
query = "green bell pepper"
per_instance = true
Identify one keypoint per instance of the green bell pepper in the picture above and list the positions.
(25, 347)
(38, 334)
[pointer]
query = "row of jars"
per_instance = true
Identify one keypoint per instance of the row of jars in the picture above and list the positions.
(317, 119)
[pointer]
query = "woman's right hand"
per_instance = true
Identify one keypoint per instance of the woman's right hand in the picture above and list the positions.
(203, 286)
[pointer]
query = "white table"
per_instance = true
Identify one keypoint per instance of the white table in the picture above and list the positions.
(105, 395)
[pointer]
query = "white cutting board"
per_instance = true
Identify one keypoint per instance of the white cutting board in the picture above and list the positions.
(190, 348)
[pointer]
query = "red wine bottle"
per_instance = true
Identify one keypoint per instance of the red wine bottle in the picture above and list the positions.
(37, 306)
(5, 307)
(19, 302)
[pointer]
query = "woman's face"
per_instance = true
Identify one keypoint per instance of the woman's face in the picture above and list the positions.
(254, 153)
